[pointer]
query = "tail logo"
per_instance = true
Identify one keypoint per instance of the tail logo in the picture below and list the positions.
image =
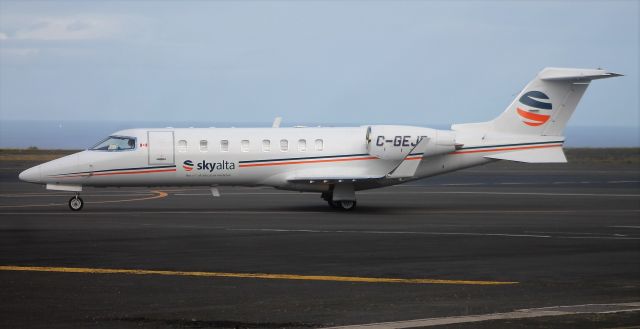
(187, 165)
(531, 103)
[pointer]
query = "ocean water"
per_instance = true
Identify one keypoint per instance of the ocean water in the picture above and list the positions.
(83, 134)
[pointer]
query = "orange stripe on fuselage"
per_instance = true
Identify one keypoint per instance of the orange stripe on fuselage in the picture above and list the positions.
(302, 162)
(509, 149)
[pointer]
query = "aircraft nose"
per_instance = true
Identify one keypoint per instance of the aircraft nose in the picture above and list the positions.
(31, 175)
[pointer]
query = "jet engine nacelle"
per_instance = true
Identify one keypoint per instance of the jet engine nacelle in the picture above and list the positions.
(396, 142)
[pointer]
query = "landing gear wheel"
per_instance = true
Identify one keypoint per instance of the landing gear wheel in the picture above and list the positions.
(76, 203)
(346, 205)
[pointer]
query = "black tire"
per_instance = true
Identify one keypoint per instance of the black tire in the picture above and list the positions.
(333, 204)
(76, 203)
(346, 205)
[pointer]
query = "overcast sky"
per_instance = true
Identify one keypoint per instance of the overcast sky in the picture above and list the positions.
(359, 62)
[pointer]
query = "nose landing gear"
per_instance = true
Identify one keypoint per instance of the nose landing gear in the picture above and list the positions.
(76, 203)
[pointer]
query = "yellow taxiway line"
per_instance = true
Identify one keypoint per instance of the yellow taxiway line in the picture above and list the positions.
(156, 195)
(248, 275)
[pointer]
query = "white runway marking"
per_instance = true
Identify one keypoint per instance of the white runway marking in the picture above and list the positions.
(518, 314)
(423, 192)
(510, 235)
(302, 212)
(587, 235)
(557, 232)
(528, 183)
(510, 193)
(391, 232)
(601, 237)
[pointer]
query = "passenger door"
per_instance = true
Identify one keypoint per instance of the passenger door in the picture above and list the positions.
(161, 148)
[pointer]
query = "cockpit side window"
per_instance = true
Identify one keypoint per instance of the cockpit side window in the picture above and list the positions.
(116, 143)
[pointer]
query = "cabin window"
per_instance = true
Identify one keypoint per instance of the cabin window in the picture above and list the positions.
(284, 145)
(266, 145)
(203, 146)
(319, 145)
(182, 145)
(224, 145)
(115, 143)
(302, 145)
(244, 145)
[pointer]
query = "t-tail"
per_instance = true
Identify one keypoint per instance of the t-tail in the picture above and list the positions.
(539, 114)
(545, 105)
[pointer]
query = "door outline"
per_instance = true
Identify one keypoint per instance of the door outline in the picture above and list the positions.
(173, 148)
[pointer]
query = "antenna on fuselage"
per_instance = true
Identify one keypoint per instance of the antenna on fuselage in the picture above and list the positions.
(276, 122)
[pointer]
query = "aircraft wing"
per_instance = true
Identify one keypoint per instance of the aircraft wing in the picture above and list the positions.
(408, 166)
(405, 168)
(332, 179)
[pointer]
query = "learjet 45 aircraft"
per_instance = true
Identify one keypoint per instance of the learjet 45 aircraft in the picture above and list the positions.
(335, 162)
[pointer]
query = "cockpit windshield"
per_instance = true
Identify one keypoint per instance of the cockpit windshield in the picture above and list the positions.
(116, 143)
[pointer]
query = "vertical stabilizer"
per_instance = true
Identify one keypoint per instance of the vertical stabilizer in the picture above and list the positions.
(545, 105)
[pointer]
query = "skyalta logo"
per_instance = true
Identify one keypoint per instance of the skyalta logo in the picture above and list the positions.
(208, 166)
(187, 165)
(535, 101)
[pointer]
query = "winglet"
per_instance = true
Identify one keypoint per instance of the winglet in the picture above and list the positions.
(276, 122)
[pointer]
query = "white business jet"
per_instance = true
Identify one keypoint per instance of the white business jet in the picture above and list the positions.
(335, 162)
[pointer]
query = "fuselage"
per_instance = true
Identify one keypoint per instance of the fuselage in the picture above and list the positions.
(277, 157)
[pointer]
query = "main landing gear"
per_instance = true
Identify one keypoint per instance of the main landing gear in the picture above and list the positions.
(76, 203)
(344, 205)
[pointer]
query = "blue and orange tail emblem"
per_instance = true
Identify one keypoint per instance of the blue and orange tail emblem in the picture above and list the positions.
(187, 165)
(534, 101)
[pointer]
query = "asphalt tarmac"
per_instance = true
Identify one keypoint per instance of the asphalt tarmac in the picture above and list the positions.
(488, 240)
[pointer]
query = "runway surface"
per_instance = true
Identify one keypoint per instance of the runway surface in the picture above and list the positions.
(482, 241)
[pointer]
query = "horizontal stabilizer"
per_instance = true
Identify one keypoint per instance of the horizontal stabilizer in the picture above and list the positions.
(542, 155)
(553, 73)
